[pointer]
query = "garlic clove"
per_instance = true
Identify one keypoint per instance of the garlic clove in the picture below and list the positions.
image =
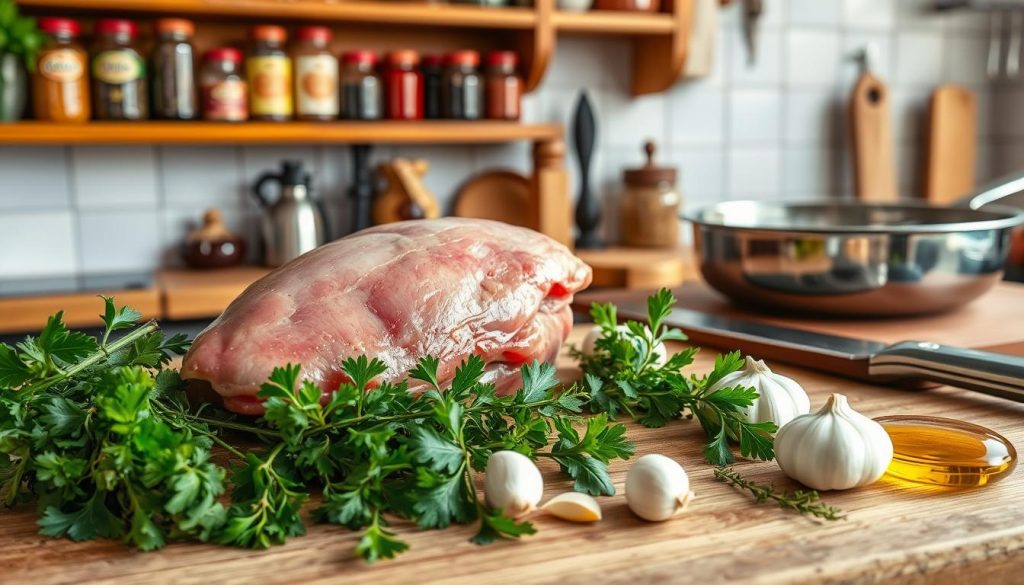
(574, 507)
(512, 483)
(657, 488)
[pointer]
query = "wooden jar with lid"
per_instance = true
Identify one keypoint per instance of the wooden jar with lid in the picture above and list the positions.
(650, 205)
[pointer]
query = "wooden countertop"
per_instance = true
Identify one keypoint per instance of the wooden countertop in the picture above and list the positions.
(893, 534)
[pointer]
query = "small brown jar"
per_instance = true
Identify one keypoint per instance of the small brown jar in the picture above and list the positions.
(269, 71)
(504, 88)
(650, 205)
(213, 245)
(60, 86)
(316, 75)
(118, 73)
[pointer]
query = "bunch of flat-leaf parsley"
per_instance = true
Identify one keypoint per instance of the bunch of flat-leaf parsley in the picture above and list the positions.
(100, 436)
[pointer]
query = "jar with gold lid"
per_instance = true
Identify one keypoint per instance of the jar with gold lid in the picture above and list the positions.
(650, 205)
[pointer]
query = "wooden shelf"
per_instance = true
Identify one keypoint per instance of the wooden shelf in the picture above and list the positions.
(156, 132)
(413, 13)
(608, 22)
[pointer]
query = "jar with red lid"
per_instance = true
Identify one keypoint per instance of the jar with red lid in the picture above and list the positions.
(60, 86)
(225, 94)
(268, 69)
(462, 89)
(118, 73)
(360, 86)
(504, 88)
(404, 86)
(316, 74)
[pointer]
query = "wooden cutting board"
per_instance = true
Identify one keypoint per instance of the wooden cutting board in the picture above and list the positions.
(874, 166)
(950, 152)
(893, 533)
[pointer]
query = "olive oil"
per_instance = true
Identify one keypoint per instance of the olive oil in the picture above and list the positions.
(945, 452)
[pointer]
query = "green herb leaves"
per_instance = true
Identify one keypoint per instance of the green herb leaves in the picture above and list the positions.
(628, 375)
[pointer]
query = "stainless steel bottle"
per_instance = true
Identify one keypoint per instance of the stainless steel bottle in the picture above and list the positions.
(293, 224)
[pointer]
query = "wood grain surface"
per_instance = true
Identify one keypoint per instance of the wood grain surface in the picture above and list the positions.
(893, 534)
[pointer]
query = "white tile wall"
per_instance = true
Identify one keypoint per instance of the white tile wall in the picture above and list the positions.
(770, 130)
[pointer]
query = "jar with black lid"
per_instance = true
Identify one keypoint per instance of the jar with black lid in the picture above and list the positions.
(361, 93)
(462, 93)
(433, 75)
(118, 73)
(174, 86)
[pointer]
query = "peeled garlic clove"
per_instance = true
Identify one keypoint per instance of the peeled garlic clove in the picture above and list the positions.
(574, 507)
(512, 483)
(589, 345)
(657, 488)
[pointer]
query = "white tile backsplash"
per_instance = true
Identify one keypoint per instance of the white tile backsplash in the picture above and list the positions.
(33, 178)
(37, 244)
(771, 130)
(115, 177)
(755, 116)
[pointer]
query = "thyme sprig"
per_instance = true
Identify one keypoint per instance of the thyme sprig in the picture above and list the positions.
(806, 502)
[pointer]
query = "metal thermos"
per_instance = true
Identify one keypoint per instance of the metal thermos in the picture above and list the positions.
(293, 224)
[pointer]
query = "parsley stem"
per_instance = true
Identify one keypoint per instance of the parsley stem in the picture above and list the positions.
(95, 358)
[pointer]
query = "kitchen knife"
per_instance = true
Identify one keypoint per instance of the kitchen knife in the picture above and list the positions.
(909, 361)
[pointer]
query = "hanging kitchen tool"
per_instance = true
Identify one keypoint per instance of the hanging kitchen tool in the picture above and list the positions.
(997, 64)
(406, 197)
(498, 195)
(752, 11)
(588, 208)
(293, 224)
(952, 139)
(870, 129)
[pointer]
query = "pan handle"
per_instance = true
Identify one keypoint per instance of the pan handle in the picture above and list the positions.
(982, 371)
(994, 191)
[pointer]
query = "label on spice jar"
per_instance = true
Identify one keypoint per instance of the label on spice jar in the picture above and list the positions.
(316, 85)
(117, 67)
(62, 65)
(270, 85)
(226, 101)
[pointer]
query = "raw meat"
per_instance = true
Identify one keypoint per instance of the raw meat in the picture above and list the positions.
(446, 287)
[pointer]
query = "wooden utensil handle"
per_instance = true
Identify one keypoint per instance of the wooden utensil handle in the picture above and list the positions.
(986, 372)
(874, 169)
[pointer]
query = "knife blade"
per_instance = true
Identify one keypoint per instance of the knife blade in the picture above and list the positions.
(907, 362)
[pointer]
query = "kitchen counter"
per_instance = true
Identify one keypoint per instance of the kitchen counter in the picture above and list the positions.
(893, 533)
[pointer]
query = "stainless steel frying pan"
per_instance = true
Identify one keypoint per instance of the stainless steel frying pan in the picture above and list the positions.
(849, 258)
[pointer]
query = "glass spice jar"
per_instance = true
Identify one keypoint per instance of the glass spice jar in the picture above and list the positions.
(504, 88)
(174, 91)
(432, 68)
(404, 86)
(118, 73)
(316, 75)
(225, 95)
(650, 205)
(462, 88)
(360, 86)
(269, 72)
(60, 86)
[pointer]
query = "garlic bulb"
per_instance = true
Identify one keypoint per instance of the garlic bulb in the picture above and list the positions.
(512, 483)
(574, 507)
(836, 448)
(588, 347)
(779, 399)
(657, 488)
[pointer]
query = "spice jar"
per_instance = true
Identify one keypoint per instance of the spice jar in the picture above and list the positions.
(404, 88)
(462, 89)
(504, 88)
(224, 91)
(118, 73)
(431, 67)
(60, 86)
(269, 72)
(650, 205)
(360, 86)
(316, 75)
(174, 91)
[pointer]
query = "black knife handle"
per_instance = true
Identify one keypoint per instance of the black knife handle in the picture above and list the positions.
(982, 371)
